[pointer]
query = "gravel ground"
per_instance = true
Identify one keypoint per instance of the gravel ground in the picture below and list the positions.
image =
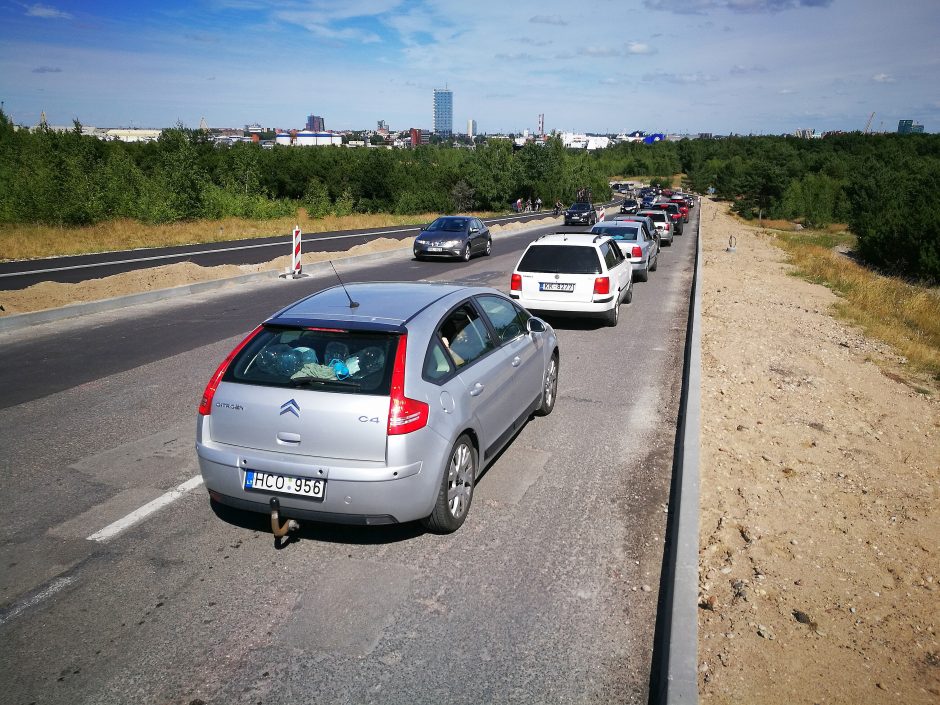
(820, 470)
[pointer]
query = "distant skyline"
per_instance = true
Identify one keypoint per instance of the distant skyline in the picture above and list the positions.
(603, 66)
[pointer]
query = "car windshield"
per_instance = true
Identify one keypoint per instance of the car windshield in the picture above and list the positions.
(451, 225)
(571, 259)
(580, 206)
(617, 232)
(342, 361)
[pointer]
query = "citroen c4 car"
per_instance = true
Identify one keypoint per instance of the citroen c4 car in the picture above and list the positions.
(376, 403)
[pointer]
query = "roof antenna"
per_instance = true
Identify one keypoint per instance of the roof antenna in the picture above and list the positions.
(352, 304)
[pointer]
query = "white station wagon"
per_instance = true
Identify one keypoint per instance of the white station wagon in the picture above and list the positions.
(579, 274)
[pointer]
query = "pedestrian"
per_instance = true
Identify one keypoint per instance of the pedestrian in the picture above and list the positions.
(528, 205)
(538, 203)
(519, 205)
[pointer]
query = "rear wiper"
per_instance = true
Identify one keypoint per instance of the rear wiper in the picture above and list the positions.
(320, 382)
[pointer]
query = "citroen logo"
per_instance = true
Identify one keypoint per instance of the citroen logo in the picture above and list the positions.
(290, 407)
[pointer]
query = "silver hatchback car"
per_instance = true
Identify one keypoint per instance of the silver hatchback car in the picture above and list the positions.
(374, 404)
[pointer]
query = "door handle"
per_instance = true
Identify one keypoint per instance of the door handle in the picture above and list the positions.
(516, 361)
(477, 390)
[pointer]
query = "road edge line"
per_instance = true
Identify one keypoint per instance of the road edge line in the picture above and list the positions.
(141, 513)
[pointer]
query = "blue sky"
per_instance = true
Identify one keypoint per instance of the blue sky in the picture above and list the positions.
(721, 66)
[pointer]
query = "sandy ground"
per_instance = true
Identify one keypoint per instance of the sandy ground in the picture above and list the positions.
(819, 526)
(820, 473)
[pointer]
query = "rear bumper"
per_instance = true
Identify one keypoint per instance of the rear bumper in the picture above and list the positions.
(594, 308)
(366, 494)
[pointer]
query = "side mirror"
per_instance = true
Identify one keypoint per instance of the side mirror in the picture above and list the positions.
(535, 325)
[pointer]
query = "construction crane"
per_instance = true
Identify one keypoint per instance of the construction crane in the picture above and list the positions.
(868, 124)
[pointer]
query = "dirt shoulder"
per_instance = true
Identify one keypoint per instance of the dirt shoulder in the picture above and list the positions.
(819, 528)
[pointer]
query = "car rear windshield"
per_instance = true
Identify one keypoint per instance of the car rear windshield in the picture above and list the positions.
(571, 259)
(617, 232)
(332, 359)
(658, 216)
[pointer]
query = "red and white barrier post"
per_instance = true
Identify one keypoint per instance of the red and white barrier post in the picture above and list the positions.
(295, 264)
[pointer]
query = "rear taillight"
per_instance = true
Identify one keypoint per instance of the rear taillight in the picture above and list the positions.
(205, 407)
(515, 282)
(404, 415)
(602, 285)
(637, 251)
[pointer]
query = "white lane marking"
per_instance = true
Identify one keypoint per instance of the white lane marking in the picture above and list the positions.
(287, 245)
(138, 515)
(54, 587)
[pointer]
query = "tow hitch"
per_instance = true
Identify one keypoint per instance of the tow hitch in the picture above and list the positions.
(280, 530)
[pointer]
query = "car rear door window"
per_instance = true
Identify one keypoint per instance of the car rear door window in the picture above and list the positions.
(609, 257)
(465, 336)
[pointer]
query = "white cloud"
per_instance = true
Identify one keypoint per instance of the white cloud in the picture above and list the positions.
(882, 78)
(640, 48)
(696, 7)
(601, 52)
(46, 12)
(557, 20)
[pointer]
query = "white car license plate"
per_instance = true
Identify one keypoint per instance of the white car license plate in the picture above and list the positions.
(555, 286)
(272, 482)
(435, 249)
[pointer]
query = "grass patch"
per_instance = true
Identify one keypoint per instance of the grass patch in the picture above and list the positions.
(18, 242)
(904, 315)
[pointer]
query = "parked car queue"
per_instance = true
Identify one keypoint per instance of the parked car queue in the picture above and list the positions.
(382, 403)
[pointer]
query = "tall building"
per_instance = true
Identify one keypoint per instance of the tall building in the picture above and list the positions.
(443, 111)
(541, 123)
(471, 128)
(315, 123)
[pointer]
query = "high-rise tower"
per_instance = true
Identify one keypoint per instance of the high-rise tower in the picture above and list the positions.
(443, 111)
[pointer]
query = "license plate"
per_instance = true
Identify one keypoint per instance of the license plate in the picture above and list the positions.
(555, 286)
(272, 482)
(435, 249)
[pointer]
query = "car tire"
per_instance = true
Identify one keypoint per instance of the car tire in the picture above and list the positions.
(613, 316)
(419, 258)
(655, 264)
(466, 253)
(459, 476)
(643, 276)
(629, 297)
(550, 388)
(489, 247)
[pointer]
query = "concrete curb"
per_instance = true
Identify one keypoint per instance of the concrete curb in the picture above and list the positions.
(678, 677)
(25, 320)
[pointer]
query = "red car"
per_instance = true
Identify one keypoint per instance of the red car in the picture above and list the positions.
(683, 206)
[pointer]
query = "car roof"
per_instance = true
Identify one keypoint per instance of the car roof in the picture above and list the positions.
(381, 305)
(580, 239)
(618, 223)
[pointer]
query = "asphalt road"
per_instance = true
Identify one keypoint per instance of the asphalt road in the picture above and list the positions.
(547, 594)
(19, 274)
